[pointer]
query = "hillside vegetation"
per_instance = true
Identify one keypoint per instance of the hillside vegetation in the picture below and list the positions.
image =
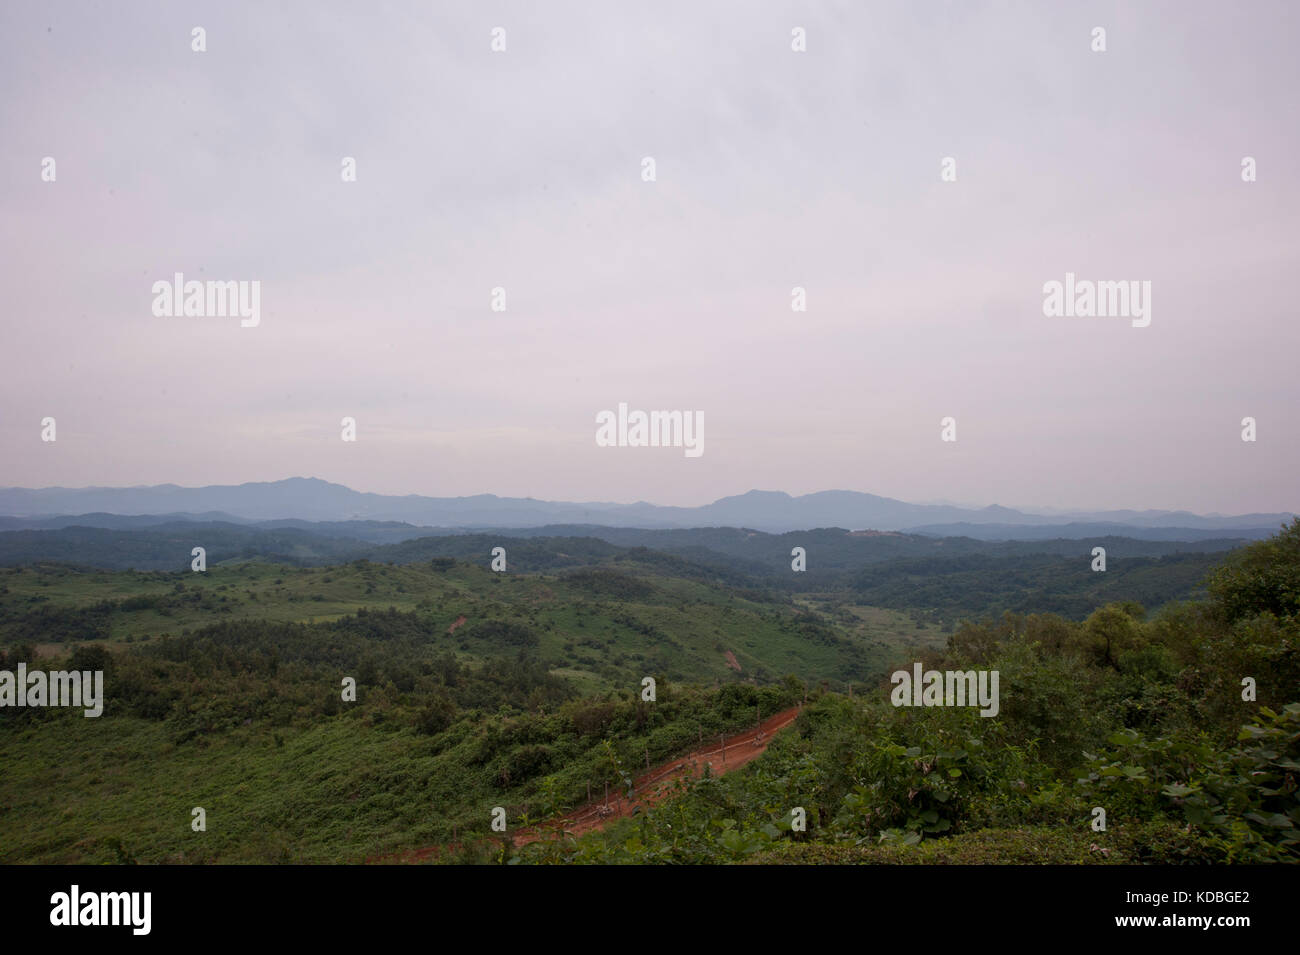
(1148, 720)
(521, 690)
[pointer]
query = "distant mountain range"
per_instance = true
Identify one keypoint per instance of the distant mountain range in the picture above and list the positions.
(311, 499)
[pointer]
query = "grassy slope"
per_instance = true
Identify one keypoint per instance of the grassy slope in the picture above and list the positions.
(589, 631)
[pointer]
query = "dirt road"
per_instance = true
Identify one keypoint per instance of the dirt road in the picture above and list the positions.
(652, 786)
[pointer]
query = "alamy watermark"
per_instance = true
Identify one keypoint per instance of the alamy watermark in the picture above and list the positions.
(1088, 299)
(81, 688)
(653, 429)
(946, 688)
(194, 299)
(75, 907)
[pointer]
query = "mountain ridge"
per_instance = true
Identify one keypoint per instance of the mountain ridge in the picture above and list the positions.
(315, 499)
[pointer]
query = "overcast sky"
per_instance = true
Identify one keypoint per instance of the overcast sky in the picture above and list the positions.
(523, 170)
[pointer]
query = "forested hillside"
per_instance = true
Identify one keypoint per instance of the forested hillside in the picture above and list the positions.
(524, 690)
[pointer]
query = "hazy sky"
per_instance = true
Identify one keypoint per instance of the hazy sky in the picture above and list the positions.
(523, 170)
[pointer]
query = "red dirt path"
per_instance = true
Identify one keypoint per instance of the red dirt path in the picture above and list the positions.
(651, 787)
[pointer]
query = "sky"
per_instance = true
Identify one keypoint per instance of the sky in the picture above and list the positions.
(522, 169)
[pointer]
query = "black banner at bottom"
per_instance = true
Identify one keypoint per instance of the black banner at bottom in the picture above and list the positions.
(138, 905)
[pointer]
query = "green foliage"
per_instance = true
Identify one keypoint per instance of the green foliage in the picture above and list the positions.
(1261, 578)
(436, 715)
(1245, 799)
(501, 634)
(1159, 842)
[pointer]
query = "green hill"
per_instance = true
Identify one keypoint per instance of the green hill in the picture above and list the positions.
(476, 689)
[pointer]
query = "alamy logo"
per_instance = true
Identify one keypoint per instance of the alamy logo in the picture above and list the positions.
(208, 299)
(84, 688)
(103, 908)
(946, 688)
(1088, 299)
(655, 429)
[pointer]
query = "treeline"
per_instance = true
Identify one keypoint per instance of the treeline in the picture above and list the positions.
(167, 547)
(977, 585)
(946, 576)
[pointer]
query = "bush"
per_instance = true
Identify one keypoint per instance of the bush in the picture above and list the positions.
(436, 715)
(1243, 799)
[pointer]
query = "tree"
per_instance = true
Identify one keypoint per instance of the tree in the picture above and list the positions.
(1263, 577)
(1110, 632)
(436, 715)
